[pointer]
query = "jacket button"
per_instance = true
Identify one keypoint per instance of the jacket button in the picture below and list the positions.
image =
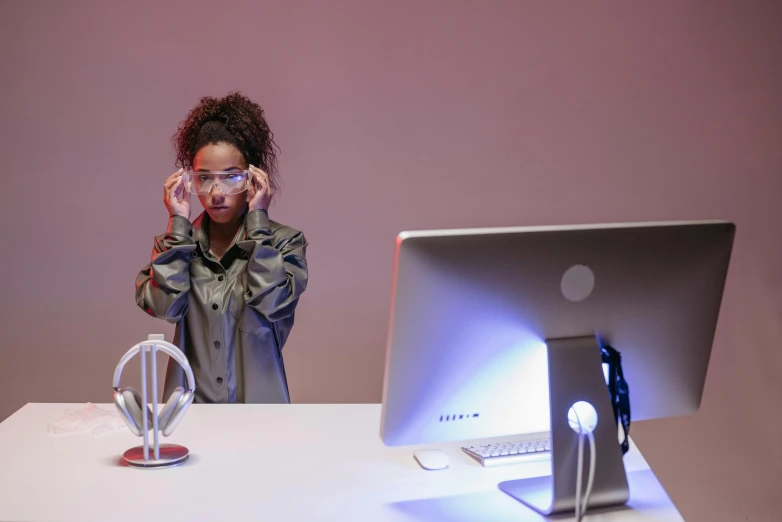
(220, 278)
(219, 381)
(214, 306)
(217, 344)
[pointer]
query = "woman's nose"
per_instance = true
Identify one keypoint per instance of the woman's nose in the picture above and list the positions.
(215, 192)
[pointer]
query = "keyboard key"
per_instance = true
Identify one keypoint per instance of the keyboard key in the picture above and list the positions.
(509, 452)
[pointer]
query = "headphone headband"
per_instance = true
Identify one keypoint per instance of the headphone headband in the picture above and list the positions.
(166, 347)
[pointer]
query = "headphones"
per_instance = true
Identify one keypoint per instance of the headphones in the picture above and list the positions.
(129, 401)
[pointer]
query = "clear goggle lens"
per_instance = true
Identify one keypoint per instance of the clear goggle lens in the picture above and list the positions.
(227, 182)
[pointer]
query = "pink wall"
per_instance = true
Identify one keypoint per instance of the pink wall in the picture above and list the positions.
(392, 116)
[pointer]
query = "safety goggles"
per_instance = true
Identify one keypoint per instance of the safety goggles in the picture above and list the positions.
(227, 182)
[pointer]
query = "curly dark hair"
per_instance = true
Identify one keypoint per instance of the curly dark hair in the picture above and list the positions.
(234, 119)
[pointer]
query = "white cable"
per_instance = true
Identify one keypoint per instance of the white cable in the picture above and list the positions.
(580, 472)
(581, 508)
(592, 465)
(580, 467)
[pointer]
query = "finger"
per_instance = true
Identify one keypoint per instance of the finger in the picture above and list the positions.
(260, 172)
(264, 175)
(174, 176)
(262, 182)
(262, 178)
(176, 189)
(263, 191)
(253, 183)
(250, 186)
(267, 186)
(180, 186)
(169, 184)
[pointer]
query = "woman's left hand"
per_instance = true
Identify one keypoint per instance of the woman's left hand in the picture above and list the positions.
(259, 193)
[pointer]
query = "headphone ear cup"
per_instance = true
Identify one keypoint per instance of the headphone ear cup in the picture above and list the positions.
(128, 402)
(165, 415)
(178, 411)
(134, 402)
(119, 402)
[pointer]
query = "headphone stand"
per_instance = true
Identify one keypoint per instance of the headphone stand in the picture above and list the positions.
(163, 455)
(170, 455)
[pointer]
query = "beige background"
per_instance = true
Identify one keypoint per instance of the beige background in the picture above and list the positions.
(391, 116)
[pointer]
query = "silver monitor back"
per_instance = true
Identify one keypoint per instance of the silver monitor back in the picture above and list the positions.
(471, 310)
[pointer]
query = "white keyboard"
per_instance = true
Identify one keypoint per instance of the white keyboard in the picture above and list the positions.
(501, 453)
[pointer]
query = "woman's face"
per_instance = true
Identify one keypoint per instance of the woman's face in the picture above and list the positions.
(221, 157)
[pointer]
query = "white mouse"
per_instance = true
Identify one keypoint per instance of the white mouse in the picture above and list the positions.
(431, 459)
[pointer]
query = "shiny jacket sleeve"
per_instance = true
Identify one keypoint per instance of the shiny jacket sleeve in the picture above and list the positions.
(277, 269)
(162, 286)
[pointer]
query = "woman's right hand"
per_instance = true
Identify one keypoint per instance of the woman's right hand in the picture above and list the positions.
(176, 196)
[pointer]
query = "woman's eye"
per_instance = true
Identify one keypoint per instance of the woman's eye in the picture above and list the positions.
(203, 178)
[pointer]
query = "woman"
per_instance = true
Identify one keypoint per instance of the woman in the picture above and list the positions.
(231, 280)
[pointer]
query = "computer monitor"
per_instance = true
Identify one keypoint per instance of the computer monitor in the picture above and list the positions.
(494, 331)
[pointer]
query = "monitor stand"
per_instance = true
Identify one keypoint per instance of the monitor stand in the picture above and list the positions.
(576, 374)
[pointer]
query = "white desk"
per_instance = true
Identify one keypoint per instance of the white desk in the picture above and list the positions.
(267, 462)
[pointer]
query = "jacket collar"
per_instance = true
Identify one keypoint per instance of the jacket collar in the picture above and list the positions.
(201, 226)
